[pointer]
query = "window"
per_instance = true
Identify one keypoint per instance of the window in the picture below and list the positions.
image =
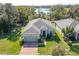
(78, 37)
(44, 33)
(78, 34)
(49, 35)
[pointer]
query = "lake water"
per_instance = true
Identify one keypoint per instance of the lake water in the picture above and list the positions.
(45, 10)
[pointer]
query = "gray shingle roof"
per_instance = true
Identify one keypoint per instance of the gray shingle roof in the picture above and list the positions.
(74, 24)
(68, 23)
(63, 23)
(32, 24)
(32, 30)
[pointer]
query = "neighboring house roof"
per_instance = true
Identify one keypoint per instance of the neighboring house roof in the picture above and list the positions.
(68, 23)
(37, 24)
(74, 24)
(63, 23)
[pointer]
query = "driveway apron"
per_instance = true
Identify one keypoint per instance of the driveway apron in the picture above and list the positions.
(29, 49)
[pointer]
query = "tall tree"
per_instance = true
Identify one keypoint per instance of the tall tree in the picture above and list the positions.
(74, 11)
(26, 13)
(58, 12)
(11, 13)
(8, 18)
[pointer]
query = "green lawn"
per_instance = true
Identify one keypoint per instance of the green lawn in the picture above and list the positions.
(10, 44)
(75, 47)
(47, 50)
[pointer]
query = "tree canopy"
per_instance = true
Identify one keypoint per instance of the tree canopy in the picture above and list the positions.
(25, 13)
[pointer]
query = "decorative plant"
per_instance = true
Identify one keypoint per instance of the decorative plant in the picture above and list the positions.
(59, 51)
(69, 33)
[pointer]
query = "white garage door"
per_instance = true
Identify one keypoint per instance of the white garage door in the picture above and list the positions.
(31, 38)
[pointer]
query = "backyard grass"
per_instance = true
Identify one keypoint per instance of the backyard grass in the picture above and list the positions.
(10, 44)
(47, 50)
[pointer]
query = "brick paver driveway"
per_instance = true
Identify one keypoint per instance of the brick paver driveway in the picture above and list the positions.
(29, 49)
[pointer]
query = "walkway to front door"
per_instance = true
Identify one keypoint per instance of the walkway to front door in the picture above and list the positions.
(29, 49)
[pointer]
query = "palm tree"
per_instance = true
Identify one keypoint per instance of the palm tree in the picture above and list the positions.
(69, 33)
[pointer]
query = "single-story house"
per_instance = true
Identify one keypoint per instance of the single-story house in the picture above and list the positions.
(63, 23)
(35, 28)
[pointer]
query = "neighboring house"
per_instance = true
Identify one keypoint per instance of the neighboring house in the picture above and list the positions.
(35, 28)
(69, 23)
